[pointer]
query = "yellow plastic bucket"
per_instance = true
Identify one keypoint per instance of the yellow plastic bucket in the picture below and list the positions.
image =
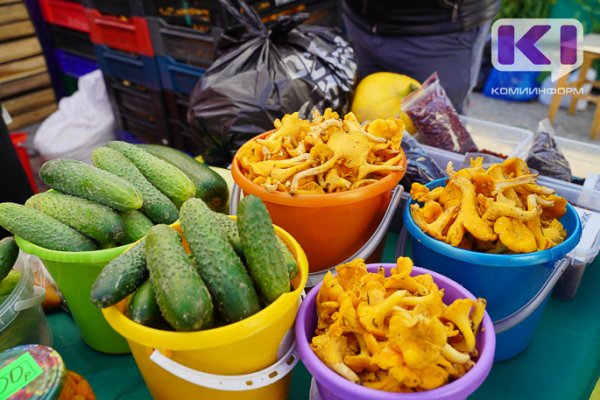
(247, 360)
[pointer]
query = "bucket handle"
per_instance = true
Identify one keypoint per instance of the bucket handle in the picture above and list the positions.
(512, 320)
(234, 383)
(524, 312)
(368, 248)
(39, 293)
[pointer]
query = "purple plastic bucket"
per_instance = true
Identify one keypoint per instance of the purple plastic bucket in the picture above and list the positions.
(334, 387)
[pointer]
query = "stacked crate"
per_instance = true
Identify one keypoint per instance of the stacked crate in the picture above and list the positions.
(125, 54)
(183, 35)
(152, 52)
(69, 31)
(25, 87)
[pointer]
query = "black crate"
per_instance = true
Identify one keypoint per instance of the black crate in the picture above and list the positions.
(127, 8)
(73, 41)
(199, 15)
(184, 139)
(139, 106)
(146, 131)
(182, 43)
(177, 108)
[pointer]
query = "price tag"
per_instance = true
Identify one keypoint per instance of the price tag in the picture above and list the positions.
(18, 374)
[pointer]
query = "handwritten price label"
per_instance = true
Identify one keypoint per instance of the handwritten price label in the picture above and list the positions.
(18, 374)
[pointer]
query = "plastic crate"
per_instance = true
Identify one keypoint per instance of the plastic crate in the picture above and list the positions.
(200, 15)
(127, 8)
(177, 106)
(324, 13)
(145, 130)
(70, 84)
(181, 43)
(65, 13)
(126, 34)
(73, 41)
(129, 67)
(74, 65)
(140, 100)
(176, 76)
(183, 138)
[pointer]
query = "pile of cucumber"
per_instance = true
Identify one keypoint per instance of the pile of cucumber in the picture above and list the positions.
(9, 252)
(235, 268)
(116, 201)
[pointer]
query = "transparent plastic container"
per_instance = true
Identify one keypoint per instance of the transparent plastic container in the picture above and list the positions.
(22, 320)
(583, 157)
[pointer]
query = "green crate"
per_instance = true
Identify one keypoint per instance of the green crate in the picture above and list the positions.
(69, 83)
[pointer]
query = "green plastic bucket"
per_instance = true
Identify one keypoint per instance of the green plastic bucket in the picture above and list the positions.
(74, 273)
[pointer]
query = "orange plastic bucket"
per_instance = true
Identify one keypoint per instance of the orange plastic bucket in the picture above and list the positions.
(330, 227)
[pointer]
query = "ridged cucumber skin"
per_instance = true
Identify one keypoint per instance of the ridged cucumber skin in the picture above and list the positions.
(81, 180)
(120, 277)
(156, 205)
(261, 251)
(42, 229)
(229, 284)
(182, 296)
(288, 258)
(167, 178)
(210, 186)
(9, 252)
(142, 307)
(95, 220)
(229, 227)
(136, 225)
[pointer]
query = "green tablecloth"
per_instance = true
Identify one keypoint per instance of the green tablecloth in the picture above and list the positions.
(562, 361)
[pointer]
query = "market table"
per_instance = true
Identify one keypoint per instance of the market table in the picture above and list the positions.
(562, 362)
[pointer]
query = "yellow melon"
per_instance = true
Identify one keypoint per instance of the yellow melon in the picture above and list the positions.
(380, 95)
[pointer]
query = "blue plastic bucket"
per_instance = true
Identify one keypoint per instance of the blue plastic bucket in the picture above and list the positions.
(516, 286)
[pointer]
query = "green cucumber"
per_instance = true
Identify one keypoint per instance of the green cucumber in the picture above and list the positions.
(142, 307)
(81, 180)
(182, 296)
(97, 221)
(156, 205)
(164, 176)
(288, 259)
(10, 281)
(120, 277)
(261, 251)
(219, 266)
(136, 224)
(9, 252)
(210, 186)
(42, 229)
(229, 227)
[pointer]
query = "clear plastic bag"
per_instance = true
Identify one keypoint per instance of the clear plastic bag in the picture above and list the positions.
(435, 118)
(545, 156)
(421, 167)
(42, 278)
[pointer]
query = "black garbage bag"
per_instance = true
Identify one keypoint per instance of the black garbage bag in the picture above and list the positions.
(261, 74)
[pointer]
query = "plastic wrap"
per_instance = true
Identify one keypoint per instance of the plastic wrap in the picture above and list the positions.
(434, 116)
(545, 156)
(421, 167)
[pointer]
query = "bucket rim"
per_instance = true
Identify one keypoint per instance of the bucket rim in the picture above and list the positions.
(220, 336)
(456, 389)
(383, 185)
(70, 257)
(496, 260)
